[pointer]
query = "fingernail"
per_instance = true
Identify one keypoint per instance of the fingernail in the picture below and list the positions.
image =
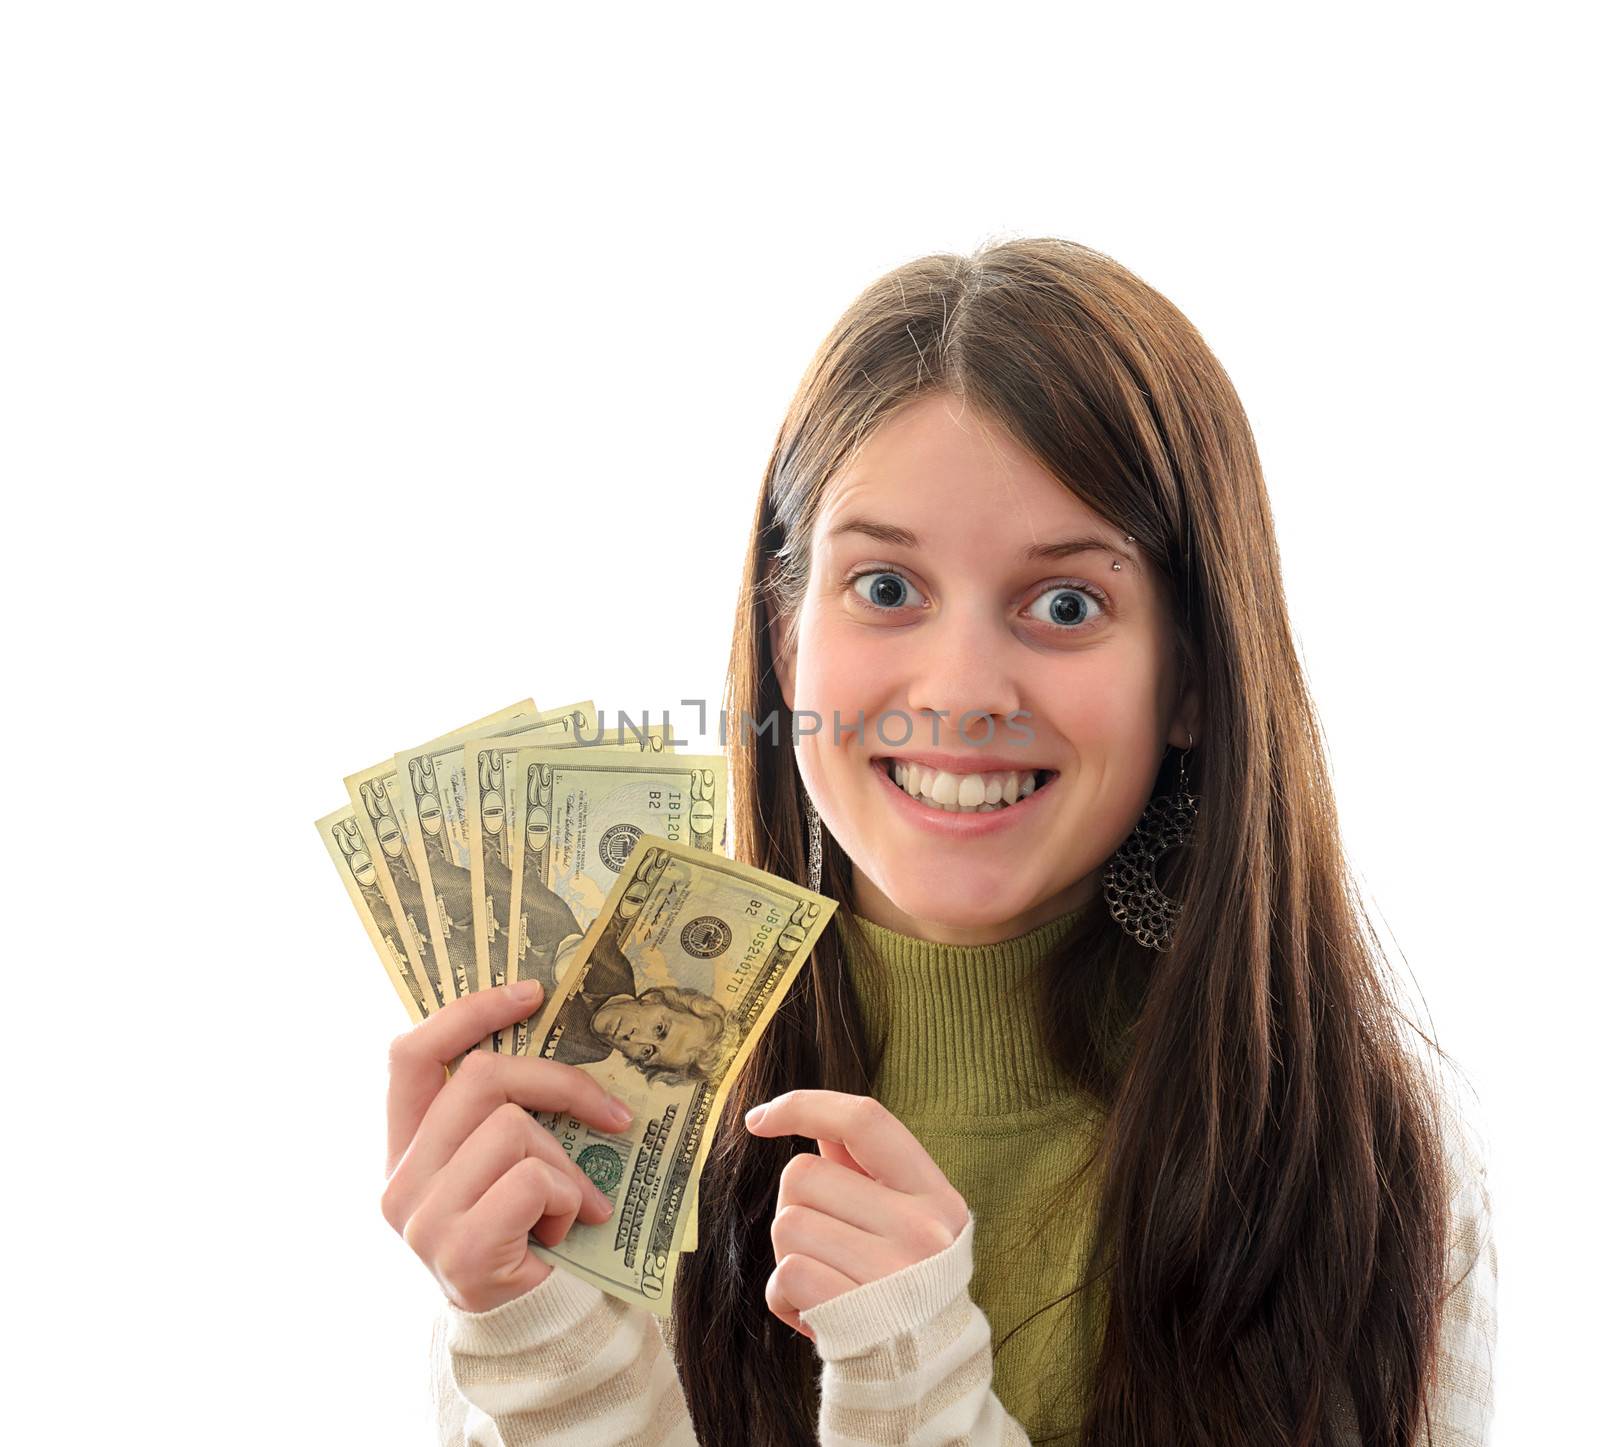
(605, 1203)
(753, 1116)
(523, 992)
(620, 1112)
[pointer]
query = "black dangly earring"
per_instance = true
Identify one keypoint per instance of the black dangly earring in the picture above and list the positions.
(1135, 899)
(813, 830)
(813, 846)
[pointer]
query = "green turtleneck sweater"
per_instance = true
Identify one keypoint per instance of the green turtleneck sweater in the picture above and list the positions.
(964, 1069)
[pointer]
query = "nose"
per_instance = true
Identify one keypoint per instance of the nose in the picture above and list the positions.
(966, 663)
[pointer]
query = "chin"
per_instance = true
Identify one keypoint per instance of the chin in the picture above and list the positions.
(971, 906)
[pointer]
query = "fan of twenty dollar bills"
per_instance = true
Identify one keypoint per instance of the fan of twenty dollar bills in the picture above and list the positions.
(532, 845)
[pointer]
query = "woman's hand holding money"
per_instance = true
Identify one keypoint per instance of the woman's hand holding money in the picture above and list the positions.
(470, 1172)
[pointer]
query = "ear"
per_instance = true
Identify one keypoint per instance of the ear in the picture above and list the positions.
(1186, 720)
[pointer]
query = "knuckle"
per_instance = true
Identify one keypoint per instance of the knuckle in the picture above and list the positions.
(545, 1171)
(931, 1235)
(785, 1220)
(789, 1277)
(400, 1049)
(775, 1302)
(510, 1121)
(477, 1066)
(417, 1236)
(799, 1168)
(394, 1202)
(532, 1179)
(567, 1188)
(389, 1204)
(552, 1192)
(456, 1261)
(544, 1176)
(868, 1109)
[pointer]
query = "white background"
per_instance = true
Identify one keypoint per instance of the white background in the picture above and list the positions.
(368, 367)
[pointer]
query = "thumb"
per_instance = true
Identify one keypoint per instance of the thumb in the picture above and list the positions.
(838, 1151)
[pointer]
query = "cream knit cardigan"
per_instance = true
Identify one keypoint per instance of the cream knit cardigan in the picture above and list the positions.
(905, 1359)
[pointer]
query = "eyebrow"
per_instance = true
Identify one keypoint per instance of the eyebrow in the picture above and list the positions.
(898, 537)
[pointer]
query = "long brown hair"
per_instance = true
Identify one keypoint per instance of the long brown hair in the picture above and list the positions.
(1271, 1231)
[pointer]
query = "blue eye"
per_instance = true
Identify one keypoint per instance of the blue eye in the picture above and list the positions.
(887, 595)
(1065, 610)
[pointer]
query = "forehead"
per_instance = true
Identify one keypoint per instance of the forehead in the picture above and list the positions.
(956, 478)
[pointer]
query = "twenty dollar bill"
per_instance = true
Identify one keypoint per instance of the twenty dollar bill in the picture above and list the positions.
(663, 1002)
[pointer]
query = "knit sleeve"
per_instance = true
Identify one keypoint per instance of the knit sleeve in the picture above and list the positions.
(563, 1365)
(1461, 1400)
(906, 1359)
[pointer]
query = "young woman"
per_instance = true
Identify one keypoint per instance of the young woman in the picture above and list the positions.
(1055, 1146)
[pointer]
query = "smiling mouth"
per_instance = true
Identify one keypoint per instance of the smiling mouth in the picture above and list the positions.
(963, 793)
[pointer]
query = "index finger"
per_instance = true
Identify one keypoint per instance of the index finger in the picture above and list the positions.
(419, 1060)
(875, 1137)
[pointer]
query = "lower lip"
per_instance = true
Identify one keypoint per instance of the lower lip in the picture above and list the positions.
(951, 825)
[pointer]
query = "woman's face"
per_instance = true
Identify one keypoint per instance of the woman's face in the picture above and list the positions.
(966, 622)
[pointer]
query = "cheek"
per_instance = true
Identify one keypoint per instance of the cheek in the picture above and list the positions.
(1113, 719)
(836, 668)
(838, 677)
(841, 677)
(1104, 705)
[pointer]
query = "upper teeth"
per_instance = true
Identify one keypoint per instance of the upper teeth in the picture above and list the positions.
(966, 793)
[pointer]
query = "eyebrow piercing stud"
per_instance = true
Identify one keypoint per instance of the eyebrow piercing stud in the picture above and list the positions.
(1117, 567)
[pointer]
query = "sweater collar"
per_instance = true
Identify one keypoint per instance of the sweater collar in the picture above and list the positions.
(960, 1022)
